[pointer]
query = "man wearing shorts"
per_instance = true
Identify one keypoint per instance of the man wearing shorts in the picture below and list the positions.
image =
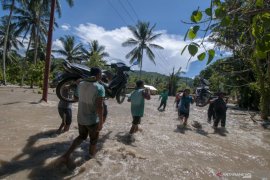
(137, 105)
(90, 112)
(184, 106)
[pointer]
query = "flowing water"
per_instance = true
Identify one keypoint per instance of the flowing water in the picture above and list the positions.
(162, 150)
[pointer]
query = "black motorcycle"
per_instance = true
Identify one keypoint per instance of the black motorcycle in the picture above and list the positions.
(115, 85)
(203, 94)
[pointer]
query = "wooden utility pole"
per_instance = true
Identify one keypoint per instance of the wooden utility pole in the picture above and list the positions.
(48, 54)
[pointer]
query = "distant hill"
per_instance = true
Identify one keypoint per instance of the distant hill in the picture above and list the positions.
(158, 80)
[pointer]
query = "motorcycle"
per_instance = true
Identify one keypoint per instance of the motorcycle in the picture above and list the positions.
(203, 94)
(114, 85)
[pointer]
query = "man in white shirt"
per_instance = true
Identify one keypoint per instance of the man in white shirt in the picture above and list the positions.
(90, 112)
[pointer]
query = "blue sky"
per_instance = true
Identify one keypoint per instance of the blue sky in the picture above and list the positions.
(107, 20)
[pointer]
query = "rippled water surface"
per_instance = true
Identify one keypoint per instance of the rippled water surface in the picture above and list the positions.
(162, 150)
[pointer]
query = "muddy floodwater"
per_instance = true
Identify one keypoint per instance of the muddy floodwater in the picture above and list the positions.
(29, 147)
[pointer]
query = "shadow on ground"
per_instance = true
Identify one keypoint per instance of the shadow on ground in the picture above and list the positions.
(42, 161)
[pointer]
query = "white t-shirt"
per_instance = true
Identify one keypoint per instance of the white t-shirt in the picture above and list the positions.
(88, 94)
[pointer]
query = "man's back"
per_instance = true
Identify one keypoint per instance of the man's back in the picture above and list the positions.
(220, 106)
(137, 102)
(88, 94)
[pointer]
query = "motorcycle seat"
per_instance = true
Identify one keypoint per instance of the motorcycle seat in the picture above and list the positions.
(84, 69)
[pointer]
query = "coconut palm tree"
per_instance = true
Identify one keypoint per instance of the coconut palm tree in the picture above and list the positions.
(12, 37)
(7, 4)
(94, 47)
(31, 18)
(143, 38)
(70, 50)
(96, 53)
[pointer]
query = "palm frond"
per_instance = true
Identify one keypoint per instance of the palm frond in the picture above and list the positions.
(155, 46)
(154, 37)
(150, 54)
(133, 52)
(130, 42)
(134, 32)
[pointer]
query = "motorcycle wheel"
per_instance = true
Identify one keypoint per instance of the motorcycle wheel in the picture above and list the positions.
(66, 89)
(121, 95)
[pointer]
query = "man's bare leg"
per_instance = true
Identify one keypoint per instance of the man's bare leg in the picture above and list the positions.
(60, 128)
(73, 146)
(133, 128)
(185, 121)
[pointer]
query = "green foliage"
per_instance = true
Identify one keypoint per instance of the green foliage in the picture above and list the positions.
(192, 32)
(196, 16)
(225, 21)
(211, 55)
(201, 56)
(192, 49)
(35, 74)
(95, 61)
(220, 12)
(242, 27)
(208, 11)
(259, 3)
(14, 73)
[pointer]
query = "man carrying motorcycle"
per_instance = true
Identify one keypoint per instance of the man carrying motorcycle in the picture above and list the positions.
(90, 112)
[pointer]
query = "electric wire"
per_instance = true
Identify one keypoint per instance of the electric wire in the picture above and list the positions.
(133, 10)
(164, 64)
(123, 6)
(110, 3)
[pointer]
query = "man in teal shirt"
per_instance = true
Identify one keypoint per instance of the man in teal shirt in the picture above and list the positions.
(164, 97)
(137, 104)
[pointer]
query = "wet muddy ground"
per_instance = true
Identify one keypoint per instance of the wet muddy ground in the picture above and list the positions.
(29, 147)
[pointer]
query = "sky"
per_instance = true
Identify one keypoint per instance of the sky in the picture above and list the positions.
(107, 21)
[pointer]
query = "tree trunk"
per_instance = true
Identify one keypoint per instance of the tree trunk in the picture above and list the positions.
(141, 64)
(37, 31)
(36, 46)
(268, 86)
(28, 47)
(263, 90)
(5, 42)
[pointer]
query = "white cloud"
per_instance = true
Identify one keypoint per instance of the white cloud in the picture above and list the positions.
(57, 44)
(65, 27)
(165, 59)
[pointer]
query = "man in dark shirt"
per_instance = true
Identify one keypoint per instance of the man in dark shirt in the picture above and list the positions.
(220, 109)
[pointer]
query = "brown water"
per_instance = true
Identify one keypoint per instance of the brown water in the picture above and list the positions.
(29, 147)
